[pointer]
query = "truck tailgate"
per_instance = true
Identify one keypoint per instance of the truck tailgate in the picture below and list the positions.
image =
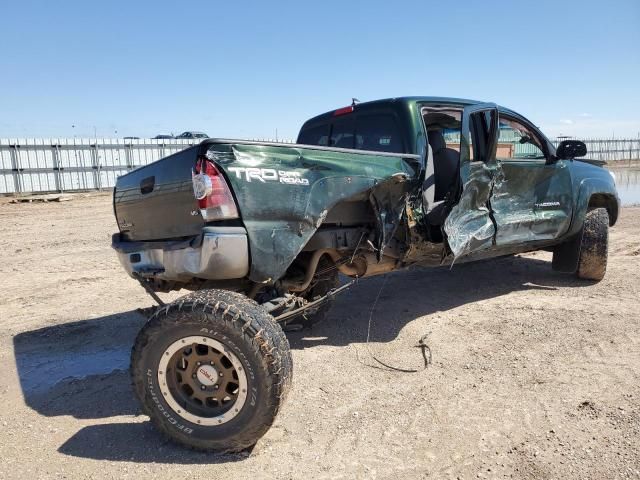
(156, 201)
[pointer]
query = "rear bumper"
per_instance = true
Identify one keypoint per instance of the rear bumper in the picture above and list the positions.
(220, 253)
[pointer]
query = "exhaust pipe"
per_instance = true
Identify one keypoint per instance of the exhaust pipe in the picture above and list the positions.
(362, 265)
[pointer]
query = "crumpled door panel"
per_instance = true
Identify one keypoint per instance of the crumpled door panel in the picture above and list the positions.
(470, 226)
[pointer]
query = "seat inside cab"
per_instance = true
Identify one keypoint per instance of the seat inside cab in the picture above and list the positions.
(443, 134)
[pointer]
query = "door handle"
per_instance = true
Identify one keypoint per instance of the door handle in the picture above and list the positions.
(147, 184)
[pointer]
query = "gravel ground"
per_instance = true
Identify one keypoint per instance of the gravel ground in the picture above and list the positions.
(533, 374)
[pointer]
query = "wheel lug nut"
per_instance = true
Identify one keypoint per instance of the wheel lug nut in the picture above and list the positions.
(211, 363)
(202, 387)
(193, 376)
(221, 374)
(198, 363)
(216, 386)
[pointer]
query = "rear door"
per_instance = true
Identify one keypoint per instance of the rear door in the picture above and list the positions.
(470, 226)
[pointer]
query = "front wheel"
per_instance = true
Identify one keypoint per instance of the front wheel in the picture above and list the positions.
(594, 245)
(211, 370)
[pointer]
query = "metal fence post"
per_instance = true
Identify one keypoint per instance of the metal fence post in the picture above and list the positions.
(15, 167)
(127, 154)
(56, 167)
(95, 165)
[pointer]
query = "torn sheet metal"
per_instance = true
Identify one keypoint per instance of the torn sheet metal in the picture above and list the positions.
(470, 226)
(284, 192)
(510, 204)
(388, 202)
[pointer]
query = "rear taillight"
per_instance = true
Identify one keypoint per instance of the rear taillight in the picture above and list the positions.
(212, 192)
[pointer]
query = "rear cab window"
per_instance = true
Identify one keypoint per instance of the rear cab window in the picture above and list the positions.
(378, 132)
(342, 132)
(318, 135)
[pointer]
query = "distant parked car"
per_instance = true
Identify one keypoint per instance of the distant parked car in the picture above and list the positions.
(163, 137)
(193, 135)
(131, 138)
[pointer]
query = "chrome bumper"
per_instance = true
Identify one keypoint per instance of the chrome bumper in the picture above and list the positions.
(222, 253)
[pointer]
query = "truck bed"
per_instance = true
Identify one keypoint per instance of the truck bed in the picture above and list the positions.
(283, 193)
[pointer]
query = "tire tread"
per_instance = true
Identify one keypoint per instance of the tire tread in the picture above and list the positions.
(258, 329)
(592, 261)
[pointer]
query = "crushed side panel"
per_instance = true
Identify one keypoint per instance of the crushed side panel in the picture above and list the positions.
(284, 194)
(470, 226)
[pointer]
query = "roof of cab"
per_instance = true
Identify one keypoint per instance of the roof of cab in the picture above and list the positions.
(398, 101)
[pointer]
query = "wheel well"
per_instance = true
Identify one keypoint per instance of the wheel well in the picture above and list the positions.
(603, 200)
(343, 226)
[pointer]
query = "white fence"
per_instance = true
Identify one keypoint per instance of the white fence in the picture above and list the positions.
(29, 165)
(613, 150)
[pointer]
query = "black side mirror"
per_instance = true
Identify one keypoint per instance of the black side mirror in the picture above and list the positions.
(569, 149)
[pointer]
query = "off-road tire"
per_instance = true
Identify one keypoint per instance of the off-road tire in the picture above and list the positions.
(249, 332)
(594, 243)
(319, 288)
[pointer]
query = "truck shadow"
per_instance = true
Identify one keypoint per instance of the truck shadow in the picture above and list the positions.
(417, 292)
(81, 369)
(136, 442)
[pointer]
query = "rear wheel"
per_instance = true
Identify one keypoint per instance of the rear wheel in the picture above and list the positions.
(212, 370)
(594, 244)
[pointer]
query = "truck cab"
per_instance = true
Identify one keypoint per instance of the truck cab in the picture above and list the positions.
(514, 192)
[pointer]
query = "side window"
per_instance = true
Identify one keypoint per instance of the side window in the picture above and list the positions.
(342, 133)
(481, 133)
(443, 128)
(516, 141)
(318, 135)
(452, 138)
(378, 133)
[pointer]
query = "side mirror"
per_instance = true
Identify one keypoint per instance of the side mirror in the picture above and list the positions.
(570, 149)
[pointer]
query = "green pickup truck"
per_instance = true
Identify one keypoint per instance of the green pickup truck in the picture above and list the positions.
(260, 231)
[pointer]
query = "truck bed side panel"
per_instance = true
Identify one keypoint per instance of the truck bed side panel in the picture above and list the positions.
(285, 192)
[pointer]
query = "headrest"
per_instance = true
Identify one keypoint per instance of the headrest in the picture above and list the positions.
(436, 140)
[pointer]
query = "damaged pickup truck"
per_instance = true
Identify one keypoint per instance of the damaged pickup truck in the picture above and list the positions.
(260, 231)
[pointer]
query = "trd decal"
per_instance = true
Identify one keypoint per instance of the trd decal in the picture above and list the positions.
(265, 175)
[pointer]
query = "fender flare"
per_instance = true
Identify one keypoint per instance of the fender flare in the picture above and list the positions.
(588, 188)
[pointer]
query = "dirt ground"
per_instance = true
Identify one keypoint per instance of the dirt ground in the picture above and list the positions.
(534, 374)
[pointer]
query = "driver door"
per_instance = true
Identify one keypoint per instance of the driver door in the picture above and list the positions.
(532, 199)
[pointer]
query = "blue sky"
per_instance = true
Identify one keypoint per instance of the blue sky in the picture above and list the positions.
(243, 69)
